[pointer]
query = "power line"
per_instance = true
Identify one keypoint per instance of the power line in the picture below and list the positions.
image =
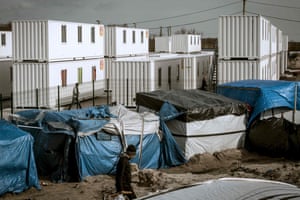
(268, 4)
(186, 14)
(191, 23)
(290, 20)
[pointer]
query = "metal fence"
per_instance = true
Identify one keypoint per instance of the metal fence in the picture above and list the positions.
(56, 98)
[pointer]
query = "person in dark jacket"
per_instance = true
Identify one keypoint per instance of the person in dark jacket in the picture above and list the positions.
(123, 174)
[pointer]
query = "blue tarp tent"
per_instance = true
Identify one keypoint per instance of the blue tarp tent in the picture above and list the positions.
(262, 95)
(17, 165)
(87, 142)
(273, 126)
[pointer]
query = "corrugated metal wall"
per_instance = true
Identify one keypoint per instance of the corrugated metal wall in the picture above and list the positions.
(229, 71)
(126, 78)
(46, 77)
(27, 78)
(47, 40)
(115, 46)
(243, 37)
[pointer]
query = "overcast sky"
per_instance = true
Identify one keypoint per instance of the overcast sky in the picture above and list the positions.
(198, 14)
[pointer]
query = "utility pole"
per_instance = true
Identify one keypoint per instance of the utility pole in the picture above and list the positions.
(244, 6)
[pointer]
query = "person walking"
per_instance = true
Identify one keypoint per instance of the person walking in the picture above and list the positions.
(75, 97)
(123, 173)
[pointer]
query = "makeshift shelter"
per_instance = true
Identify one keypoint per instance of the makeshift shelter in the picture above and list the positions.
(74, 144)
(273, 125)
(18, 170)
(208, 122)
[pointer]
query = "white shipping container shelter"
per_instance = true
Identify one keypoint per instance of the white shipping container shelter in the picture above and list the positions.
(125, 41)
(50, 40)
(5, 77)
(235, 70)
(275, 68)
(279, 41)
(6, 44)
(163, 44)
(274, 40)
(283, 62)
(130, 75)
(46, 77)
(185, 43)
(242, 36)
(285, 43)
(204, 136)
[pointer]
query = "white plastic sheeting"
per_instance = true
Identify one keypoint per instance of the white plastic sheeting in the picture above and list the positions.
(131, 123)
(231, 188)
(217, 134)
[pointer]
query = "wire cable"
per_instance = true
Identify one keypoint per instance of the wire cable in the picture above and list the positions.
(290, 20)
(268, 4)
(186, 14)
(191, 23)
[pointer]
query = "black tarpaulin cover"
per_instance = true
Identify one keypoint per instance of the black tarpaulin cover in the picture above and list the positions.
(195, 104)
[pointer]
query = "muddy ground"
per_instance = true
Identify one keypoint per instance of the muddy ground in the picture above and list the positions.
(229, 163)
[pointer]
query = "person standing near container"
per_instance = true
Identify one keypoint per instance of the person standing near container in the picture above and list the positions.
(75, 97)
(123, 173)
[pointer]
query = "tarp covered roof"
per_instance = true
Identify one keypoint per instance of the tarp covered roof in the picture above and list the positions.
(18, 170)
(263, 95)
(194, 104)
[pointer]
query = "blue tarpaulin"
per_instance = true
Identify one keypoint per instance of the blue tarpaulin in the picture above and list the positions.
(17, 165)
(262, 95)
(94, 150)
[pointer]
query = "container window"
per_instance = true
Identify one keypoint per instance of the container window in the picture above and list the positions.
(133, 37)
(63, 33)
(3, 39)
(64, 78)
(93, 35)
(159, 77)
(79, 31)
(142, 37)
(124, 36)
(178, 72)
(191, 40)
(169, 76)
(94, 73)
(79, 73)
(195, 40)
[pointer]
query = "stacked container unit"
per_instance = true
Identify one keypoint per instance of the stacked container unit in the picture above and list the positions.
(163, 44)
(284, 54)
(180, 43)
(156, 72)
(125, 41)
(248, 46)
(5, 63)
(48, 54)
(186, 43)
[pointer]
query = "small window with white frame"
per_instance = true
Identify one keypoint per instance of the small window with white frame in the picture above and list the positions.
(63, 33)
(79, 32)
(133, 37)
(3, 39)
(124, 36)
(142, 37)
(92, 34)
